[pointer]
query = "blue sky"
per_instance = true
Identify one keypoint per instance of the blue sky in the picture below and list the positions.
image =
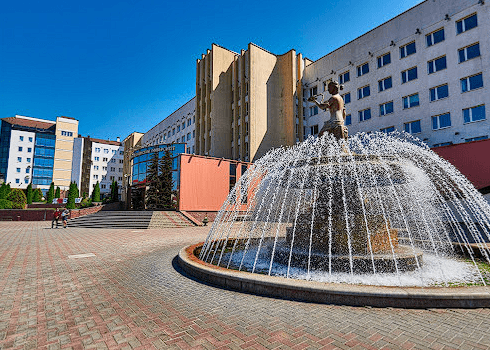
(123, 66)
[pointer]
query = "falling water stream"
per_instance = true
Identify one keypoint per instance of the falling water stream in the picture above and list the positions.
(379, 209)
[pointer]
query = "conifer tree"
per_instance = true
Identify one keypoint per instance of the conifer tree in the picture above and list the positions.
(72, 194)
(166, 181)
(114, 191)
(153, 196)
(58, 192)
(37, 195)
(4, 190)
(50, 196)
(96, 193)
(29, 194)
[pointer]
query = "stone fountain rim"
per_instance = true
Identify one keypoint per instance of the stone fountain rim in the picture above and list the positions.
(333, 293)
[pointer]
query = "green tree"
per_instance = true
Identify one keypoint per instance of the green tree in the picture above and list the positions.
(18, 198)
(29, 194)
(153, 199)
(58, 192)
(5, 204)
(166, 180)
(96, 193)
(72, 194)
(4, 191)
(114, 191)
(50, 197)
(37, 195)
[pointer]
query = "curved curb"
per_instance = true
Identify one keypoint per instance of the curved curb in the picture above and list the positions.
(333, 293)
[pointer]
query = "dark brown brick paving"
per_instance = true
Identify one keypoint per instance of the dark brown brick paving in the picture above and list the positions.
(129, 296)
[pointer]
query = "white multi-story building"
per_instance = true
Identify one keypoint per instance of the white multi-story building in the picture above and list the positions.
(97, 160)
(425, 71)
(178, 127)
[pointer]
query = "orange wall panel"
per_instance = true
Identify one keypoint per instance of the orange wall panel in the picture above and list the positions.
(472, 159)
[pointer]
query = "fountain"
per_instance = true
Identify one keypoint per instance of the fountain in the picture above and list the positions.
(374, 219)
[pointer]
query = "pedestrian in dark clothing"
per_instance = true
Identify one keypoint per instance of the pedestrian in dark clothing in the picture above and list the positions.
(64, 216)
(56, 217)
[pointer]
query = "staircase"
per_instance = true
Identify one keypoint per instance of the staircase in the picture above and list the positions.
(131, 220)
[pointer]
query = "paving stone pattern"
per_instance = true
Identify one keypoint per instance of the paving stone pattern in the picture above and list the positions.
(131, 296)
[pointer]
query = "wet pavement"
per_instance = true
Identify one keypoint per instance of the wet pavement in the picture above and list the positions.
(121, 289)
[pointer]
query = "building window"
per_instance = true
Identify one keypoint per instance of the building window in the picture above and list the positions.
(113, 169)
(474, 114)
(120, 170)
(411, 101)
(28, 160)
(97, 149)
(66, 133)
(436, 65)
(441, 121)
(313, 91)
(386, 108)
(472, 83)
(183, 125)
(469, 52)
(384, 60)
(313, 110)
(363, 69)
(21, 138)
(189, 122)
(478, 138)
(178, 128)
(96, 176)
(193, 133)
(113, 160)
(96, 167)
(346, 98)
(409, 75)
(435, 37)
(413, 127)
(121, 161)
(20, 149)
(119, 178)
(188, 136)
(113, 151)
(363, 92)
(438, 92)
(344, 77)
(385, 84)
(348, 119)
(314, 129)
(96, 159)
(18, 170)
(103, 186)
(365, 114)
(173, 131)
(26, 180)
(121, 153)
(19, 159)
(388, 129)
(467, 23)
(30, 139)
(104, 159)
(407, 50)
(17, 181)
(29, 149)
(104, 168)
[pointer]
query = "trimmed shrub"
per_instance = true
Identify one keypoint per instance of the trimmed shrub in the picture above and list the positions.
(4, 191)
(29, 194)
(37, 195)
(18, 198)
(96, 193)
(5, 204)
(50, 196)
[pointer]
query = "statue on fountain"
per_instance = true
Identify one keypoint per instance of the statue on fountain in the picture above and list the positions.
(335, 125)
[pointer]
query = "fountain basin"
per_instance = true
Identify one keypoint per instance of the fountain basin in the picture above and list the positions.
(332, 293)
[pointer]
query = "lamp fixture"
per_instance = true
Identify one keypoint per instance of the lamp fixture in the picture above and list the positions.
(418, 31)
(332, 72)
(481, 2)
(392, 43)
(370, 54)
(447, 18)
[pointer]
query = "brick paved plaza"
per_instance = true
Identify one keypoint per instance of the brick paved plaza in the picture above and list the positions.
(128, 295)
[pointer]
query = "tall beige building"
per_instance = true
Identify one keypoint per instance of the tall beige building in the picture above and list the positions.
(66, 131)
(247, 103)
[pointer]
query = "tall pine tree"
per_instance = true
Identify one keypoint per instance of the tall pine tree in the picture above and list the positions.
(96, 193)
(166, 181)
(153, 196)
(58, 192)
(114, 191)
(37, 195)
(29, 194)
(50, 197)
(72, 194)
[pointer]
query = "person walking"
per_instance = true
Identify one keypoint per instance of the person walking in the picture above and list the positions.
(64, 216)
(56, 217)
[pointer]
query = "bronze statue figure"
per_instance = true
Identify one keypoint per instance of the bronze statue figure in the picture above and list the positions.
(335, 125)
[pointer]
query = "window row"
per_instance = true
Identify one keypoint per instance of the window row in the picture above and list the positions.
(21, 138)
(441, 121)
